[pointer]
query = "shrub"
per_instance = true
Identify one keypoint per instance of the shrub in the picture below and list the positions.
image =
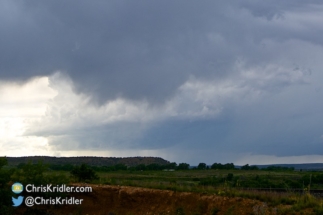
(31, 173)
(84, 173)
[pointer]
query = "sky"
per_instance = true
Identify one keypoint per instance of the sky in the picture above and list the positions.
(188, 81)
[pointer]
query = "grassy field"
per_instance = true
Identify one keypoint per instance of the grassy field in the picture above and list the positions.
(216, 178)
(231, 183)
(225, 183)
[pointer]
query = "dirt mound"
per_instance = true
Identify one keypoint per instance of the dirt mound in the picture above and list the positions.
(122, 200)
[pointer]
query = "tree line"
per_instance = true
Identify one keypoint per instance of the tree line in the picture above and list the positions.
(173, 165)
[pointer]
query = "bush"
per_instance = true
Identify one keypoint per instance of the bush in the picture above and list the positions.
(84, 173)
(229, 176)
(31, 173)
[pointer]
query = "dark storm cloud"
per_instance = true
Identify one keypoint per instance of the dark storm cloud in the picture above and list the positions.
(227, 76)
(134, 49)
(143, 49)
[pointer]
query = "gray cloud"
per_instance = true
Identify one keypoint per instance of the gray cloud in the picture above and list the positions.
(239, 76)
(138, 49)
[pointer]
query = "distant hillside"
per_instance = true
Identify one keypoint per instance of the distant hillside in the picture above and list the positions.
(93, 161)
(303, 166)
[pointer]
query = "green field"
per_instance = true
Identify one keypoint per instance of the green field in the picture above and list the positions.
(229, 183)
(190, 180)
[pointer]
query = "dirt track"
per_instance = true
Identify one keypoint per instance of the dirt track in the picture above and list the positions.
(122, 200)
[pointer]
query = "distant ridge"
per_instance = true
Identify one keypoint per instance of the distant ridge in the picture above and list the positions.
(303, 166)
(93, 161)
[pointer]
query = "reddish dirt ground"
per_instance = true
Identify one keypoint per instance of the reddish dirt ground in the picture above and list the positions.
(123, 200)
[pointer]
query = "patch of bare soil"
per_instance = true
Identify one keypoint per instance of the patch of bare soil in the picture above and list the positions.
(123, 200)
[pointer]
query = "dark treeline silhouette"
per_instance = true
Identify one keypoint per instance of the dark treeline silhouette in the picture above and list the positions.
(90, 160)
(247, 167)
(118, 167)
(156, 166)
(268, 168)
(222, 166)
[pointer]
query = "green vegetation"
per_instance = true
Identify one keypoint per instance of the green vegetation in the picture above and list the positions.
(201, 166)
(227, 166)
(5, 191)
(218, 179)
(247, 167)
(214, 179)
(84, 173)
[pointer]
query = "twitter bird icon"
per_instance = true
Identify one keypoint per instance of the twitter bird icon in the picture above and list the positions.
(17, 201)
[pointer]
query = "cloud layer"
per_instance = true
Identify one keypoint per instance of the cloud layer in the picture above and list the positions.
(224, 79)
